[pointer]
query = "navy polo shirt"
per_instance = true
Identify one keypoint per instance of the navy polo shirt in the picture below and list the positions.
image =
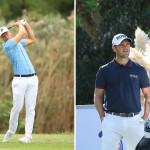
(122, 85)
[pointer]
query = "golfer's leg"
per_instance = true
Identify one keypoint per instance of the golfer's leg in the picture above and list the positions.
(30, 102)
(134, 132)
(111, 133)
(18, 89)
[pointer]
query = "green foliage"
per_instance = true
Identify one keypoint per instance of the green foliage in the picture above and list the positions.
(85, 91)
(64, 6)
(21, 125)
(13, 9)
(90, 5)
(119, 17)
(149, 32)
(78, 20)
(2, 22)
(87, 63)
(4, 114)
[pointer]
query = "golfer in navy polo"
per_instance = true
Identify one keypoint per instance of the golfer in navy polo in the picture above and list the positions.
(120, 81)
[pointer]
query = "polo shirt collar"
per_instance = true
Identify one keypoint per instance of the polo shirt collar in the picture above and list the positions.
(129, 64)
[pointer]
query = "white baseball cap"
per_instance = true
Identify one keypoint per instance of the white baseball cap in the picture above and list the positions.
(117, 39)
(3, 30)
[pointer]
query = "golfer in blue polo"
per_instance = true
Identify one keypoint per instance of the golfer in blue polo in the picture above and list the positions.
(25, 81)
(120, 81)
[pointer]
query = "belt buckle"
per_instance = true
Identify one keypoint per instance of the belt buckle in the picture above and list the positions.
(133, 114)
(121, 115)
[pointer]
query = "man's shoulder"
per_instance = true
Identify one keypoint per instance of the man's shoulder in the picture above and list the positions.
(138, 65)
(107, 66)
(9, 42)
(9, 45)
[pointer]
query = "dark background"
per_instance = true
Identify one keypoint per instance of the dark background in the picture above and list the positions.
(96, 24)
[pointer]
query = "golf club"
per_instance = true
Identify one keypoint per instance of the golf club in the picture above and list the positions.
(11, 26)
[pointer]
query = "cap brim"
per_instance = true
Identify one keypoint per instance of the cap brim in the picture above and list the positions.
(3, 33)
(3, 30)
(122, 40)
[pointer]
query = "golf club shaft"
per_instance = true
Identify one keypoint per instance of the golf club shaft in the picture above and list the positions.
(11, 26)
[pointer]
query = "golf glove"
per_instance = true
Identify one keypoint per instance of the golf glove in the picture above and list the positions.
(23, 21)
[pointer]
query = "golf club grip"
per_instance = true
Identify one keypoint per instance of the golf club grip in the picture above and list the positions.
(11, 26)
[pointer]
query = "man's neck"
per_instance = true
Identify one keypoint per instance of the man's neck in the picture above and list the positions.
(7, 39)
(122, 61)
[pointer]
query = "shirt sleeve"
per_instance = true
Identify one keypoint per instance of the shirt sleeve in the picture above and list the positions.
(144, 82)
(100, 79)
(22, 42)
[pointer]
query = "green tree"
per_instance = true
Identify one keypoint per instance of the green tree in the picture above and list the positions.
(13, 9)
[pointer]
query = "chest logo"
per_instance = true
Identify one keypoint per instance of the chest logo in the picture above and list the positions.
(133, 76)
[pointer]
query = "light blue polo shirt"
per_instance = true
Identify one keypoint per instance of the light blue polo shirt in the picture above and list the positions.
(18, 57)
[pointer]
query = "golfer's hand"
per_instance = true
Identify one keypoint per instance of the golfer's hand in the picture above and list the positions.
(17, 24)
(144, 117)
(102, 119)
(23, 21)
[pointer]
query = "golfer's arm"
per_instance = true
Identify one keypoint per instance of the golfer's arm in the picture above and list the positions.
(146, 93)
(98, 101)
(20, 34)
(30, 35)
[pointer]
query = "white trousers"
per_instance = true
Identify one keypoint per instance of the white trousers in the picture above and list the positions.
(23, 87)
(114, 127)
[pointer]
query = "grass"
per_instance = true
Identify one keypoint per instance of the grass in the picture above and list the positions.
(60, 141)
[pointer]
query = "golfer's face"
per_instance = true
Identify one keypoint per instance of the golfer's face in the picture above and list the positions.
(6, 36)
(123, 49)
